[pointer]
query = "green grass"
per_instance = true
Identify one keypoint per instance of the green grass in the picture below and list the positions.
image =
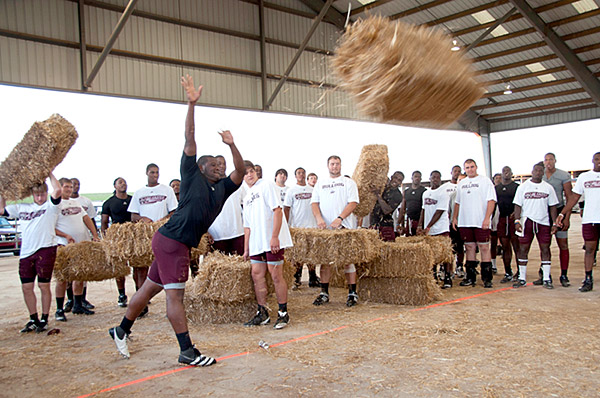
(94, 197)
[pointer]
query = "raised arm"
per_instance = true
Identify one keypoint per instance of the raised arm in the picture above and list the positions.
(56, 189)
(238, 162)
(193, 95)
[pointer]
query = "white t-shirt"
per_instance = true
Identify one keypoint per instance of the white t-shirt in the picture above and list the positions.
(333, 195)
(37, 224)
(87, 205)
(534, 200)
(228, 224)
(589, 183)
(282, 191)
(259, 203)
(450, 190)
(473, 195)
(298, 200)
(153, 202)
(70, 221)
(434, 200)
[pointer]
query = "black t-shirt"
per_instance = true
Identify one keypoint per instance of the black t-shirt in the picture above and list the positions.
(116, 209)
(414, 201)
(200, 202)
(393, 197)
(505, 195)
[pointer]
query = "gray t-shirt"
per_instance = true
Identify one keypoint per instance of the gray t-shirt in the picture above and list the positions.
(557, 180)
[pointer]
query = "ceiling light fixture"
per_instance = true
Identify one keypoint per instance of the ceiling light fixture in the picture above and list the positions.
(455, 46)
(508, 91)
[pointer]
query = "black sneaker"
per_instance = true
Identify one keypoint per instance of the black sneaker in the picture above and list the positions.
(29, 327)
(314, 281)
(494, 270)
(447, 281)
(193, 357)
(120, 338)
(467, 282)
(488, 284)
(352, 300)
(69, 305)
(122, 302)
(548, 285)
(507, 278)
(60, 316)
(143, 313)
(41, 327)
(588, 285)
(519, 283)
(564, 281)
(321, 299)
(460, 272)
(282, 320)
(261, 318)
(81, 310)
(87, 304)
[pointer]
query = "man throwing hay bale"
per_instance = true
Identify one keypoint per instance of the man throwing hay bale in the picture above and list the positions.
(202, 194)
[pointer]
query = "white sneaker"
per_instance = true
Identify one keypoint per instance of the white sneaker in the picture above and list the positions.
(121, 342)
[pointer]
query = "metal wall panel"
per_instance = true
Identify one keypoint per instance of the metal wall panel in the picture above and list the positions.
(52, 18)
(565, 117)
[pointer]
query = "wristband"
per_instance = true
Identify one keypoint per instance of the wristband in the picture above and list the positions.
(561, 215)
(517, 221)
(340, 217)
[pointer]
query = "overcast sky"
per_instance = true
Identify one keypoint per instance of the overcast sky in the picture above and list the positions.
(119, 137)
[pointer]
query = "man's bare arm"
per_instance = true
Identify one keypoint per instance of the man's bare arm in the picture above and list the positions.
(104, 224)
(193, 95)
(56, 189)
(236, 175)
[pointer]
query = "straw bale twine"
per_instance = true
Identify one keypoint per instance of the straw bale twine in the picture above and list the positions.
(42, 148)
(370, 172)
(441, 246)
(406, 73)
(339, 247)
(132, 242)
(87, 261)
(401, 259)
(403, 291)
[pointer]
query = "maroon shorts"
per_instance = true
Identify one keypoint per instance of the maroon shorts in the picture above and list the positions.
(506, 227)
(268, 257)
(170, 267)
(541, 232)
(40, 263)
(230, 246)
(412, 226)
(387, 234)
(590, 232)
(472, 234)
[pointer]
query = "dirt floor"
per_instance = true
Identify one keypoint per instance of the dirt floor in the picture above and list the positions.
(529, 342)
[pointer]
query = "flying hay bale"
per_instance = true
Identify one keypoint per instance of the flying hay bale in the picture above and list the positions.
(370, 173)
(87, 261)
(406, 73)
(402, 291)
(441, 246)
(42, 148)
(339, 247)
(401, 260)
(132, 242)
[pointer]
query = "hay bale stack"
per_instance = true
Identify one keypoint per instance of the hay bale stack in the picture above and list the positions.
(401, 260)
(337, 247)
(402, 291)
(201, 311)
(370, 173)
(405, 73)
(132, 242)
(441, 246)
(42, 148)
(87, 261)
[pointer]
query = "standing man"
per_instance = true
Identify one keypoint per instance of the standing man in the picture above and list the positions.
(175, 184)
(587, 183)
(281, 176)
(411, 206)
(312, 179)
(114, 209)
(457, 243)
(203, 194)
(381, 217)
(561, 182)
(505, 192)
(258, 169)
(38, 250)
(334, 199)
(298, 213)
(475, 202)
(532, 200)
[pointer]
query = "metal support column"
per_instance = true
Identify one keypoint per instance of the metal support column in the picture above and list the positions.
(82, 44)
(484, 133)
(263, 59)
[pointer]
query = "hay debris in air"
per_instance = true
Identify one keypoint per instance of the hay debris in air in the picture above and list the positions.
(87, 261)
(441, 246)
(402, 291)
(405, 73)
(42, 148)
(370, 173)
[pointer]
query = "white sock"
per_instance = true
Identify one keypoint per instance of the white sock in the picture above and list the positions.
(546, 270)
(493, 263)
(523, 271)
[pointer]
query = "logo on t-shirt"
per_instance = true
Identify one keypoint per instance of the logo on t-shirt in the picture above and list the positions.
(148, 200)
(430, 201)
(70, 211)
(30, 216)
(592, 184)
(303, 195)
(536, 195)
(253, 197)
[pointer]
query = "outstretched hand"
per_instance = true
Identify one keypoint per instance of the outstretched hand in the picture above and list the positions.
(226, 136)
(187, 82)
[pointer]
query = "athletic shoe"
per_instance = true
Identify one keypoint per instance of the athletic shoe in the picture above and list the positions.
(564, 281)
(488, 284)
(120, 338)
(519, 283)
(460, 272)
(60, 316)
(447, 281)
(122, 302)
(321, 299)
(494, 270)
(507, 278)
(467, 282)
(81, 310)
(42, 326)
(314, 281)
(260, 318)
(193, 357)
(29, 327)
(548, 285)
(538, 282)
(87, 304)
(282, 320)
(352, 300)
(588, 285)
(143, 313)
(69, 305)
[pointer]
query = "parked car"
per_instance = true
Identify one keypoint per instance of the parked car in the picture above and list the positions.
(10, 238)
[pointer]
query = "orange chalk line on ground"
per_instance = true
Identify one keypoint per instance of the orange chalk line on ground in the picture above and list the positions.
(119, 386)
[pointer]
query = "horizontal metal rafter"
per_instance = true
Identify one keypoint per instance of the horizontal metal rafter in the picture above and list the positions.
(538, 108)
(545, 113)
(528, 99)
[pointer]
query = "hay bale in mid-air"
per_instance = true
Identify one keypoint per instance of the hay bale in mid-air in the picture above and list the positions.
(42, 148)
(441, 247)
(405, 73)
(87, 261)
(402, 291)
(370, 173)
(400, 259)
(132, 242)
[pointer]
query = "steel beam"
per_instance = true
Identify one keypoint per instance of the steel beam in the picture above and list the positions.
(311, 31)
(484, 133)
(111, 42)
(491, 29)
(579, 70)
(82, 43)
(333, 15)
(263, 59)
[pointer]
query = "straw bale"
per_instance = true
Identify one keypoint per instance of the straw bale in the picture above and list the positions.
(401, 259)
(204, 311)
(87, 261)
(370, 172)
(202, 249)
(441, 246)
(405, 73)
(42, 148)
(132, 242)
(403, 291)
(337, 247)
(338, 276)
